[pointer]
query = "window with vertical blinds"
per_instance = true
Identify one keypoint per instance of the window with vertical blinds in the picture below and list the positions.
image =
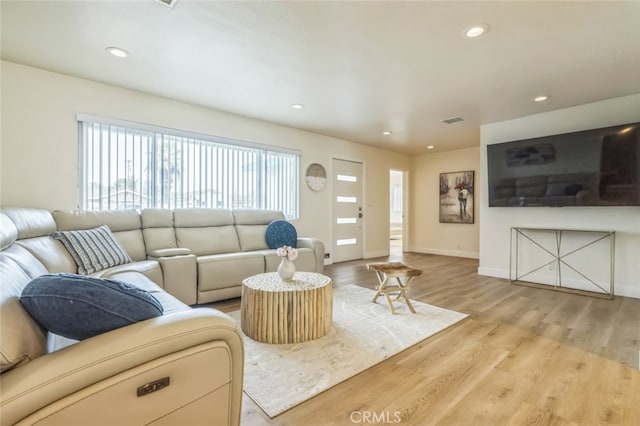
(125, 165)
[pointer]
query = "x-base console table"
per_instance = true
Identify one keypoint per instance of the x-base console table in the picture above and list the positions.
(559, 262)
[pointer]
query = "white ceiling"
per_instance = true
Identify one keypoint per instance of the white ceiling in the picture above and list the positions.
(360, 68)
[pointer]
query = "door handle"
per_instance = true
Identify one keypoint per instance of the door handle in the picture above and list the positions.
(360, 215)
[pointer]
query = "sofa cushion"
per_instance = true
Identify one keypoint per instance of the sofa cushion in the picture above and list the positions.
(93, 249)
(133, 243)
(169, 303)
(209, 240)
(228, 270)
(22, 338)
(51, 253)
(156, 218)
(31, 229)
(117, 220)
(24, 259)
(8, 232)
(159, 238)
(256, 216)
(149, 268)
(158, 230)
(31, 222)
(80, 307)
(252, 237)
(125, 225)
(203, 217)
(281, 233)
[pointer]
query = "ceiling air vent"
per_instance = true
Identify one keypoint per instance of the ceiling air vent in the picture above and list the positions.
(169, 3)
(452, 120)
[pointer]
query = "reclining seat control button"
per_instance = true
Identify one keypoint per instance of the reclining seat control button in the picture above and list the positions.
(153, 386)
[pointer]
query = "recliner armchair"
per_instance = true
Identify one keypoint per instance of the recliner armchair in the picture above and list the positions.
(184, 367)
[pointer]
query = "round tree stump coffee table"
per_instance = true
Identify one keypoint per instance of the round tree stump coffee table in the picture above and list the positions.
(294, 311)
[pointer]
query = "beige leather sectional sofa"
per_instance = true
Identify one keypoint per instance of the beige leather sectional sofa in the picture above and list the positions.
(181, 257)
(197, 255)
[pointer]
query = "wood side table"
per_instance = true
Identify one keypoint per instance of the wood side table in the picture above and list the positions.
(386, 272)
(294, 311)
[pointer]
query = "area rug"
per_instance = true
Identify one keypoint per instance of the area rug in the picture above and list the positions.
(278, 377)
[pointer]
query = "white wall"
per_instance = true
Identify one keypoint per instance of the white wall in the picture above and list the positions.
(428, 235)
(497, 221)
(39, 146)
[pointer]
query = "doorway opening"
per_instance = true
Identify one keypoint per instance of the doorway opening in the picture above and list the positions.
(396, 214)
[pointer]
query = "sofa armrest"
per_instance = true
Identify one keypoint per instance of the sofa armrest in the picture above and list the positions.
(52, 377)
(179, 275)
(318, 247)
(169, 252)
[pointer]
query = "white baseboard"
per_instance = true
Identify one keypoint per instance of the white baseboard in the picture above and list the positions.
(367, 255)
(443, 252)
(377, 253)
(493, 272)
(619, 288)
(626, 290)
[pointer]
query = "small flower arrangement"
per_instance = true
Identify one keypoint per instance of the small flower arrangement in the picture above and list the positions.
(288, 252)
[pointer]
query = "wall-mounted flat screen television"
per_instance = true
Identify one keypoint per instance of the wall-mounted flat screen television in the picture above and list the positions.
(598, 167)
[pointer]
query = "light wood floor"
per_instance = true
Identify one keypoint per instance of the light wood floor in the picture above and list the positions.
(524, 356)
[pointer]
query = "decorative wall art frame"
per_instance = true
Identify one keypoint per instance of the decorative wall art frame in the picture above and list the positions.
(456, 197)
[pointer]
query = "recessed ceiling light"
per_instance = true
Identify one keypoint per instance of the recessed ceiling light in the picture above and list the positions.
(117, 52)
(453, 120)
(386, 133)
(476, 30)
(297, 106)
(540, 98)
(430, 147)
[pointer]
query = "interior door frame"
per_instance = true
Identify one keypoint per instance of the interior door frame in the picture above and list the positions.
(406, 211)
(364, 206)
(405, 207)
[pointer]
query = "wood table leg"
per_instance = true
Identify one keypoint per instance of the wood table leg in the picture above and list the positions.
(406, 299)
(393, 311)
(380, 287)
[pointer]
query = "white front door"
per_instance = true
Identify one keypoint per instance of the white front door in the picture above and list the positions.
(347, 210)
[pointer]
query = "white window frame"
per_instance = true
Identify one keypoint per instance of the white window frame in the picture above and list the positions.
(119, 169)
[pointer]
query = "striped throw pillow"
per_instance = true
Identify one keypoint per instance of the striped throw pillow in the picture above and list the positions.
(93, 249)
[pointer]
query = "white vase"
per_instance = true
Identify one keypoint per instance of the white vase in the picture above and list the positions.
(286, 269)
